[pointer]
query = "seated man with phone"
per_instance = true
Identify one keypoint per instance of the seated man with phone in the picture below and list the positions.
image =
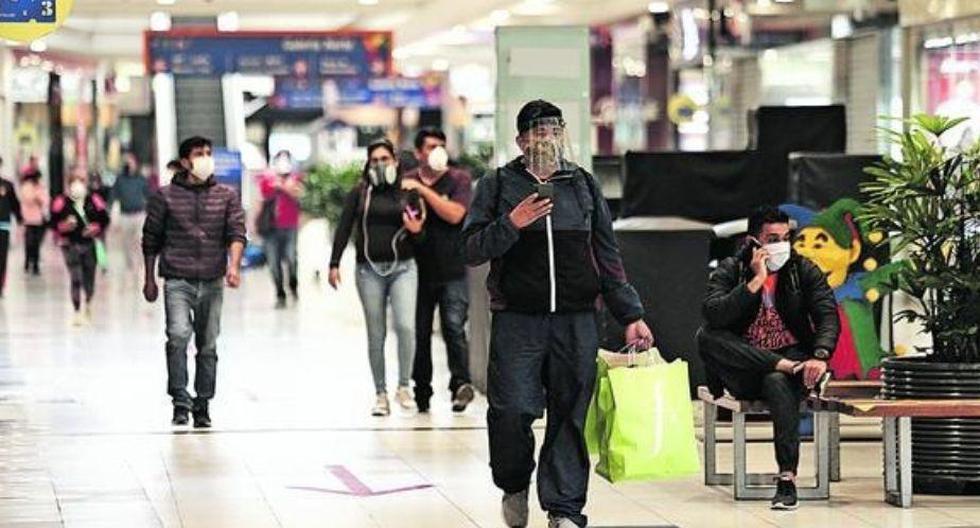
(771, 326)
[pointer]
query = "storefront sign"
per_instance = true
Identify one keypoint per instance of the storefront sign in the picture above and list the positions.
(27, 20)
(297, 55)
(395, 92)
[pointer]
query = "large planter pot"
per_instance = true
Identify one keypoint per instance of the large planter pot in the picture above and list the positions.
(945, 451)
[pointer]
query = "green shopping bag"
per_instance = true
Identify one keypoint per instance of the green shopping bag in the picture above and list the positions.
(101, 257)
(641, 420)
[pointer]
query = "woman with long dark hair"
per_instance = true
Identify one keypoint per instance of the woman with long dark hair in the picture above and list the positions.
(384, 219)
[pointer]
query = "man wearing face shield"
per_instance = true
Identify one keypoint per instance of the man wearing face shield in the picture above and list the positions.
(544, 226)
(771, 327)
(282, 189)
(442, 269)
(196, 228)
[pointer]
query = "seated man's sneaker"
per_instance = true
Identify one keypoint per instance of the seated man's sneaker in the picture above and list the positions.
(514, 509)
(560, 522)
(785, 498)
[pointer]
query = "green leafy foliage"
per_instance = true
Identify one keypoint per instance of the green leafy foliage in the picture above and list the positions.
(326, 188)
(928, 201)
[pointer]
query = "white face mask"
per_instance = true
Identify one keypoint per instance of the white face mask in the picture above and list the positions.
(283, 166)
(439, 160)
(77, 191)
(202, 167)
(779, 253)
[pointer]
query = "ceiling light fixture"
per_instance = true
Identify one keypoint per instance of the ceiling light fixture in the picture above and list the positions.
(368, 2)
(160, 21)
(39, 46)
(658, 7)
(228, 21)
(166, 2)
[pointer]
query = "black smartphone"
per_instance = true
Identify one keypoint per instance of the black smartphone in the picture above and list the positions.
(546, 191)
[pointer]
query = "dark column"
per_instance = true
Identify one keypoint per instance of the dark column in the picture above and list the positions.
(56, 151)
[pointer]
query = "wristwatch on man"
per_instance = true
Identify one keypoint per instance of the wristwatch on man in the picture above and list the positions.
(822, 354)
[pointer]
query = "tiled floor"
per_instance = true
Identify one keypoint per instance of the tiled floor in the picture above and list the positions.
(85, 439)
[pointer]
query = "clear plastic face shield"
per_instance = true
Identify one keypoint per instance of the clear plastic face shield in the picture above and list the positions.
(546, 147)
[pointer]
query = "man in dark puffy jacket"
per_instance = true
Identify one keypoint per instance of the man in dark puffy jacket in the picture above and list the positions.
(192, 225)
(546, 229)
(771, 326)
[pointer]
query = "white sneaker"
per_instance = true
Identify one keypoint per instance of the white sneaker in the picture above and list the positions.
(381, 406)
(78, 320)
(406, 399)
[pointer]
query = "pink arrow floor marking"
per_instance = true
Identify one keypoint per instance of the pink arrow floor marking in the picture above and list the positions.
(355, 487)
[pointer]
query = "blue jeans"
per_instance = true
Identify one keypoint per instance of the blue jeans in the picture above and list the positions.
(280, 251)
(376, 291)
(453, 300)
(193, 308)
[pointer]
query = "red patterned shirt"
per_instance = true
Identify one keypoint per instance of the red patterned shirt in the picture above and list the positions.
(768, 331)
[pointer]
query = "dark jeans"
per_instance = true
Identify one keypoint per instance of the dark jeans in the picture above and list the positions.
(749, 374)
(4, 248)
(540, 362)
(453, 300)
(280, 251)
(81, 263)
(33, 237)
(193, 308)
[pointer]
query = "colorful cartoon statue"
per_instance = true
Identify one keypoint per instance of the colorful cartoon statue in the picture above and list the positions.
(835, 241)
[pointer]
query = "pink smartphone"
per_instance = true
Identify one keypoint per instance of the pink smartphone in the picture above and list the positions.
(412, 212)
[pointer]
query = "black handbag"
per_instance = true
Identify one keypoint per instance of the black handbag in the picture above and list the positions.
(266, 223)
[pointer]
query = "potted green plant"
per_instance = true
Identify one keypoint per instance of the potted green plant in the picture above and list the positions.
(326, 187)
(928, 201)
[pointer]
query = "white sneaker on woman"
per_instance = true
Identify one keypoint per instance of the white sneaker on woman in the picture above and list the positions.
(406, 399)
(381, 406)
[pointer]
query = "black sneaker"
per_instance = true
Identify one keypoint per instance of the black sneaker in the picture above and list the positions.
(423, 405)
(202, 419)
(463, 397)
(785, 498)
(281, 303)
(180, 416)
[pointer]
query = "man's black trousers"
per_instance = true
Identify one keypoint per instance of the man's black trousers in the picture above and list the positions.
(539, 362)
(749, 374)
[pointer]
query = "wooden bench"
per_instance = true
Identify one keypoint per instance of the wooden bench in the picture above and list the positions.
(897, 432)
(748, 486)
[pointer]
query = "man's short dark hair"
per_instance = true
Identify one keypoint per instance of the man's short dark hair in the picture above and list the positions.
(766, 214)
(537, 109)
(190, 144)
(174, 164)
(426, 133)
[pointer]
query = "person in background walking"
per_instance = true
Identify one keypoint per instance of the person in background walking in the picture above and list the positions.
(442, 268)
(79, 218)
(9, 209)
(34, 203)
(281, 190)
(196, 227)
(131, 190)
(386, 219)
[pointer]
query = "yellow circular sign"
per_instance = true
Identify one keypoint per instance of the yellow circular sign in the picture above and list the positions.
(27, 20)
(681, 109)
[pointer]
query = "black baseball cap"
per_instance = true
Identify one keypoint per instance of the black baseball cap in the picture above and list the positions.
(534, 110)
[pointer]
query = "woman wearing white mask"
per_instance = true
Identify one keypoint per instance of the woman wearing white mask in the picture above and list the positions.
(79, 218)
(386, 219)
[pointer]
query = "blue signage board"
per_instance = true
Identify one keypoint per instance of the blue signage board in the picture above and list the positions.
(228, 168)
(44, 11)
(395, 92)
(300, 55)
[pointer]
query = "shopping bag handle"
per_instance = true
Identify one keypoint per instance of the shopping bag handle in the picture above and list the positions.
(630, 351)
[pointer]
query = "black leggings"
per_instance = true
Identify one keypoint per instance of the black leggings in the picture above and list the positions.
(33, 237)
(80, 259)
(4, 247)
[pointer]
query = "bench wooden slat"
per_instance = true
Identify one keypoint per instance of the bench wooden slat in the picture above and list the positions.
(867, 407)
(853, 389)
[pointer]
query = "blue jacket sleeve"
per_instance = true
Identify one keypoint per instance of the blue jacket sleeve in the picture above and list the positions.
(487, 232)
(619, 296)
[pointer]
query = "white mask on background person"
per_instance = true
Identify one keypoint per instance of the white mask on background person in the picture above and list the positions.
(77, 190)
(283, 166)
(779, 253)
(439, 160)
(202, 167)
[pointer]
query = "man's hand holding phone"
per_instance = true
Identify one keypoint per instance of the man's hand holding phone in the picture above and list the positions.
(761, 272)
